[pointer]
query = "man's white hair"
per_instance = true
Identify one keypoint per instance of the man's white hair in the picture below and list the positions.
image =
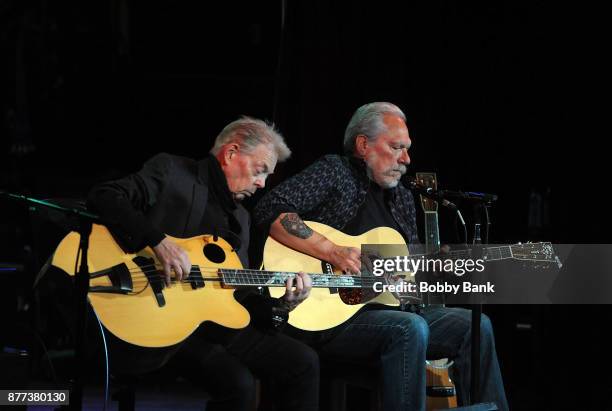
(250, 132)
(368, 120)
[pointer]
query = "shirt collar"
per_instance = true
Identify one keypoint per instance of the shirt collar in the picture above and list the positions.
(218, 183)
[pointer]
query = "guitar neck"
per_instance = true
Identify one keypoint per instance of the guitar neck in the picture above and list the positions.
(261, 278)
(493, 253)
(432, 242)
(496, 253)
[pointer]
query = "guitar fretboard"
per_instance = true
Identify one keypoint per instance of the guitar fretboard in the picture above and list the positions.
(488, 253)
(235, 277)
(244, 277)
(539, 252)
(431, 231)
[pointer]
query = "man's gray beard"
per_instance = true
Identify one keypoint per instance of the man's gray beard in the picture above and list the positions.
(391, 184)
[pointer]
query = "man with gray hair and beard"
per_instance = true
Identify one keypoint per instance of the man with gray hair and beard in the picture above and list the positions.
(356, 193)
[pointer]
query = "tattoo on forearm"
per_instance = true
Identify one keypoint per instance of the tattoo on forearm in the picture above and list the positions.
(293, 224)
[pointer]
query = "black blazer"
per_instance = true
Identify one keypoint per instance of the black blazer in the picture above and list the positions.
(167, 196)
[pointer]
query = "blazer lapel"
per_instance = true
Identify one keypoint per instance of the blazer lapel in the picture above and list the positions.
(199, 199)
(198, 206)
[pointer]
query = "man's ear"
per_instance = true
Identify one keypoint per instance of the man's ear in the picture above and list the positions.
(228, 153)
(361, 145)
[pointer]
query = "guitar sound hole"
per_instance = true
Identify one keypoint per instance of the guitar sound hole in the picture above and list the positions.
(214, 253)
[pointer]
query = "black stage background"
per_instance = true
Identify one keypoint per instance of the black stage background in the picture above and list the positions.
(500, 97)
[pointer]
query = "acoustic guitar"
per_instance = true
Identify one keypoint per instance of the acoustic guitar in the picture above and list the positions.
(128, 292)
(328, 308)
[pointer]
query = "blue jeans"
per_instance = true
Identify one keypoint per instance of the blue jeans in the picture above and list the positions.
(401, 341)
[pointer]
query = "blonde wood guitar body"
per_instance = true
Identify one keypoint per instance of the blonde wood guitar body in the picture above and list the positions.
(325, 308)
(123, 297)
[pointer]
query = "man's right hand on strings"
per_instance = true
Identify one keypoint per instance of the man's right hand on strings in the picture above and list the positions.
(172, 258)
(347, 259)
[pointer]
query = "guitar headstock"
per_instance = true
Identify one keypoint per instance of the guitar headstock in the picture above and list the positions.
(540, 253)
(428, 180)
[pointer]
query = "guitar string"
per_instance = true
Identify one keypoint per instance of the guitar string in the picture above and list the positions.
(260, 279)
(245, 272)
(451, 253)
(140, 277)
(252, 276)
(259, 274)
(412, 256)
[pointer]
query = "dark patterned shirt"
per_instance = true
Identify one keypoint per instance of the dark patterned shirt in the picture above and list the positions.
(330, 191)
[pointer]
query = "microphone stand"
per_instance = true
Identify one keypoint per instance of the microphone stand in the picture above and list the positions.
(475, 331)
(481, 202)
(477, 306)
(81, 285)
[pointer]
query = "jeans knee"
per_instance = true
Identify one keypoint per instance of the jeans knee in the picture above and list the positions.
(485, 324)
(486, 328)
(421, 330)
(413, 329)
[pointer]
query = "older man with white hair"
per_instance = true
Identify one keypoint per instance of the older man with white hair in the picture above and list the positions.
(181, 197)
